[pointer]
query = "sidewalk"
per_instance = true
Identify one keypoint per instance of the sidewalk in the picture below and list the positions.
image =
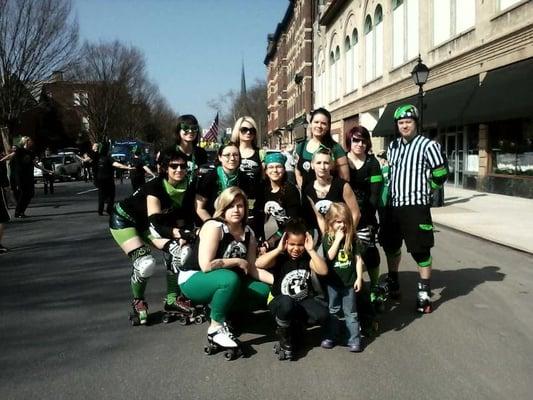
(501, 219)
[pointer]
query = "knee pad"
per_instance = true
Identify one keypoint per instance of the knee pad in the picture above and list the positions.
(423, 259)
(143, 262)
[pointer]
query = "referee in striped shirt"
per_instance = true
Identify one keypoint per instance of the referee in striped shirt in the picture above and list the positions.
(416, 166)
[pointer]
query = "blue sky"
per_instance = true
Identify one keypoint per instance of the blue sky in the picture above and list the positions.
(193, 48)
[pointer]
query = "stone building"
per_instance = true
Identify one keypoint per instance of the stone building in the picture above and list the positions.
(477, 99)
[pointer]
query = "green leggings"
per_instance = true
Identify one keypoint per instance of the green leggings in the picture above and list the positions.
(224, 288)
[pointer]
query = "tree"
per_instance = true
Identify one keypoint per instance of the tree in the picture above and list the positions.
(36, 38)
(115, 76)
(233, 105)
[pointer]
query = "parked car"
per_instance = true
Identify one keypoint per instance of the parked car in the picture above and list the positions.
(64, 165)
(209, 165)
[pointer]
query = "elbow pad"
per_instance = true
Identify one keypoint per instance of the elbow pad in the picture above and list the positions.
(159, 227)
(438, 177)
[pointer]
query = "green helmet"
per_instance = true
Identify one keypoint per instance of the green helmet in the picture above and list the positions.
(406, 111)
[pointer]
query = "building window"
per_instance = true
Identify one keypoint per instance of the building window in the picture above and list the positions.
(404, 30)
(452, 17)
(350, 61)
(508, 3)
(512, 147)
(334, 82)
(374, 45)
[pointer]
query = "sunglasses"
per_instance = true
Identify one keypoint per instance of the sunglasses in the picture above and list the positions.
(252, 130)
(182, 166)
(357, 140)
(189, 128)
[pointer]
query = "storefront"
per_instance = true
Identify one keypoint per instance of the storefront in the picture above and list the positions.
(485, 127)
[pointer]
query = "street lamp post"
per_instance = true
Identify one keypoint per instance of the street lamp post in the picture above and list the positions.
(420, 74)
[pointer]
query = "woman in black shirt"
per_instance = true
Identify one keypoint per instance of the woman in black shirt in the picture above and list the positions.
(159, 213)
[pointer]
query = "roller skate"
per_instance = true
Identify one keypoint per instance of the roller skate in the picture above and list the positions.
(184, 312)
(139, 315)
(284, 347)
(423, 300)
(223, 340)
(391, 288)
(378, 297)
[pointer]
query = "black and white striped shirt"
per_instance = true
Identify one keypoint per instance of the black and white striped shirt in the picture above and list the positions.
(410, 166)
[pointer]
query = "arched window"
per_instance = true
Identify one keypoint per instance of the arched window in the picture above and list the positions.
(319, 76)
(355, 63)
(348, 64)
(369, 49)
(452, 17)
(338, 84)
(332, 77)
(378, 41)
(404, 31)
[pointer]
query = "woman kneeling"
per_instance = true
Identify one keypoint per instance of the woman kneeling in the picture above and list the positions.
(221, 271)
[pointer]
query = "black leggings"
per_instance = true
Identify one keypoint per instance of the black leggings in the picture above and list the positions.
(286, 309)
(23, 194)
(106, 194)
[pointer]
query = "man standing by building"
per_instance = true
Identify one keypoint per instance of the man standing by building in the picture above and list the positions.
(416, 166)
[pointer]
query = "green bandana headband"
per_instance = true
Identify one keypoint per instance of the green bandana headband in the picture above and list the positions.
(277, 158)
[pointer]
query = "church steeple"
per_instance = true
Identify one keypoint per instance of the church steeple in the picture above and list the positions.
(243, 81)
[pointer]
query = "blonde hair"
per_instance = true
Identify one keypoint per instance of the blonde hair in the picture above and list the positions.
(340, 211)
(226, 199)
(237, 127)
(24, 140)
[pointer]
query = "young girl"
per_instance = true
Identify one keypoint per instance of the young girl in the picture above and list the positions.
(345, 267)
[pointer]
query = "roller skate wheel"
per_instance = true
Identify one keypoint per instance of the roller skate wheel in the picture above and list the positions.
(166, 319)
(183, 321)
(208, 350)
(229, 355)
(198, 320)
(281, 356)
(134, 320)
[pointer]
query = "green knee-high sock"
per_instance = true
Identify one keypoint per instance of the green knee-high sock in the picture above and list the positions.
(172, 287)
(373, 273)
(138, 286)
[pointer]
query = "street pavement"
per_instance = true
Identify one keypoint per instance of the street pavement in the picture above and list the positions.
(64, 295)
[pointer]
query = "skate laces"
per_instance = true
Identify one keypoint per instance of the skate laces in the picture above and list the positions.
(140, 305)
(225, 329)
(423, 295)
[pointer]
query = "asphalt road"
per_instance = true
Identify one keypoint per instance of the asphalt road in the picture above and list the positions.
(64, 332)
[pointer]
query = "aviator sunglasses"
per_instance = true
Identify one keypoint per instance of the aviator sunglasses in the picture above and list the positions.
(245, 129)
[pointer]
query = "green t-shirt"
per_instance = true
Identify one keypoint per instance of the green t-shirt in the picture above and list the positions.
(341, 270)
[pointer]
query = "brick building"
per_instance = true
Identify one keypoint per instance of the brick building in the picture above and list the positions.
(289, 62)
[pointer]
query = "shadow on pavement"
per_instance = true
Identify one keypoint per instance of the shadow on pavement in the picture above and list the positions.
(450, 201)
(450, 283)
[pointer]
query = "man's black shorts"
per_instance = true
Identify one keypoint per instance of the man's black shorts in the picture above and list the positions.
(412, 224)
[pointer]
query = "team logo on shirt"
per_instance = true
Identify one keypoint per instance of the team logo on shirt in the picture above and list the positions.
(274, 209)
(294, 284)
(322, 206)
(248, 166)
(235, 250)
(306, 165)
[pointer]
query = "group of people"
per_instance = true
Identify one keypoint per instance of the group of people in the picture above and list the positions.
(211, 228)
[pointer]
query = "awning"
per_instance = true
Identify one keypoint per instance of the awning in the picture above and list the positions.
(443, 106)
(505, 93)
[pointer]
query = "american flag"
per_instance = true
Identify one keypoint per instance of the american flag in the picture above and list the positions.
(212, 133)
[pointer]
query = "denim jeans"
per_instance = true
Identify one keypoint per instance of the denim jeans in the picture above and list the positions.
(343, 297)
